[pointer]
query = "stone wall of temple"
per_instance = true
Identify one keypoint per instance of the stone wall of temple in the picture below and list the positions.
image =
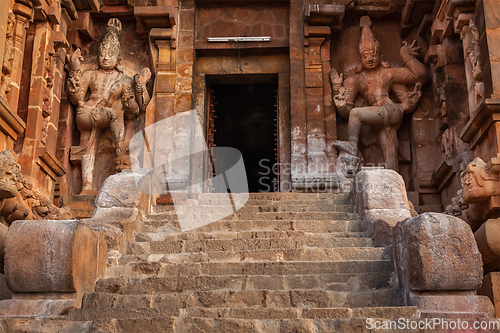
(451, 121)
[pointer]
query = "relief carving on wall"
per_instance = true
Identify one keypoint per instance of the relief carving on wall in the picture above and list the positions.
(47, 98)
(470, 37)
(374, 80)
(7, 57)
(19, 200)
(113, 96)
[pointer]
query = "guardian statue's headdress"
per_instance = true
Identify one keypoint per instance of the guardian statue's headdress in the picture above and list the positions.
(111, 40)
(368, 41)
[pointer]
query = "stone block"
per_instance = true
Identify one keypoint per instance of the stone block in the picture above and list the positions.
(434, 251)
(36, 307)
(120, 190)
(457, 304)
(44, 325)
(165, 83)
(51, 256)
(381, 201)
(182, 102)
(314, 78)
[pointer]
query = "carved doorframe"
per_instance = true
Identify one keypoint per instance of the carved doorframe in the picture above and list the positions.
(266, 64)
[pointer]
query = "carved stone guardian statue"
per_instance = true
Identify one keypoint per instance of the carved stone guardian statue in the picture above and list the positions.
(374, 80)
(113, 95)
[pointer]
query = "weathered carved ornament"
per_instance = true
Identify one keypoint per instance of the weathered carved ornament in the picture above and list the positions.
(8, 57)
(478, 182)
(19, 200)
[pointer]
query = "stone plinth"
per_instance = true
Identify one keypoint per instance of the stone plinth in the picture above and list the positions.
(436, 252)
(51, 256)
(439, 266)
(62, 259)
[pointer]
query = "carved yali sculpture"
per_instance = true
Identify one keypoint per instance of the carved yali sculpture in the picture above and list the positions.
(478, 182)
(374, 81)
(112, 95)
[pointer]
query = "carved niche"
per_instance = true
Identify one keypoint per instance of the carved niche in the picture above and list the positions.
(106, 97)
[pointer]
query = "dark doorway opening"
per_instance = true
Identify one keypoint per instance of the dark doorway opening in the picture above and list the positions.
(244, 116)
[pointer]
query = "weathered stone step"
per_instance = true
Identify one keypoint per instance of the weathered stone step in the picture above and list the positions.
(334, 201)
(218, 234)
(319, 325)
(245, 244)
(263, 268)
(166, 284)
(277, 206)
(303, 254)
(161, 323)
(247, 299)
(89, 314)
(152, 225)
(271, 196)
(252, 216)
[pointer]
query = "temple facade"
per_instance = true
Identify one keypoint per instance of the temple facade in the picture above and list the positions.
(307, 94)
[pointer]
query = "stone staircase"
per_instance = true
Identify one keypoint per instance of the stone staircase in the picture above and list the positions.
(285, 262)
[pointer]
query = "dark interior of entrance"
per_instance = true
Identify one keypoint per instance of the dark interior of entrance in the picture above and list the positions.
(245, 118)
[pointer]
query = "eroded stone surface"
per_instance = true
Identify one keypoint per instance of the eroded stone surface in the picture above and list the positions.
(51, 256)
(381, 201)
(436, 252)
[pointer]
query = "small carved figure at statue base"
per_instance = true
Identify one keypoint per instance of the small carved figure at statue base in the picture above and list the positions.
(346, 168)
(112, 94)
(375, 81)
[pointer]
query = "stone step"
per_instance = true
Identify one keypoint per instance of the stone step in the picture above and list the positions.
(256, 299)
(91, 314)
(44, 325)
(251, 216)
(270, 196)
(244, 244)
(261, 268)
(158, 322)
(303, 254)
(162, 283)
(322, 226)
(334, 201)
(218, 234)
(277, 206)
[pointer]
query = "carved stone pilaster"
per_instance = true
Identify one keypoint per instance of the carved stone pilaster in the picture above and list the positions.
(320, 20)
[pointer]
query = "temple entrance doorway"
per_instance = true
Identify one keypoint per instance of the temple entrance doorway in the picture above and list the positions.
(242, 114)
